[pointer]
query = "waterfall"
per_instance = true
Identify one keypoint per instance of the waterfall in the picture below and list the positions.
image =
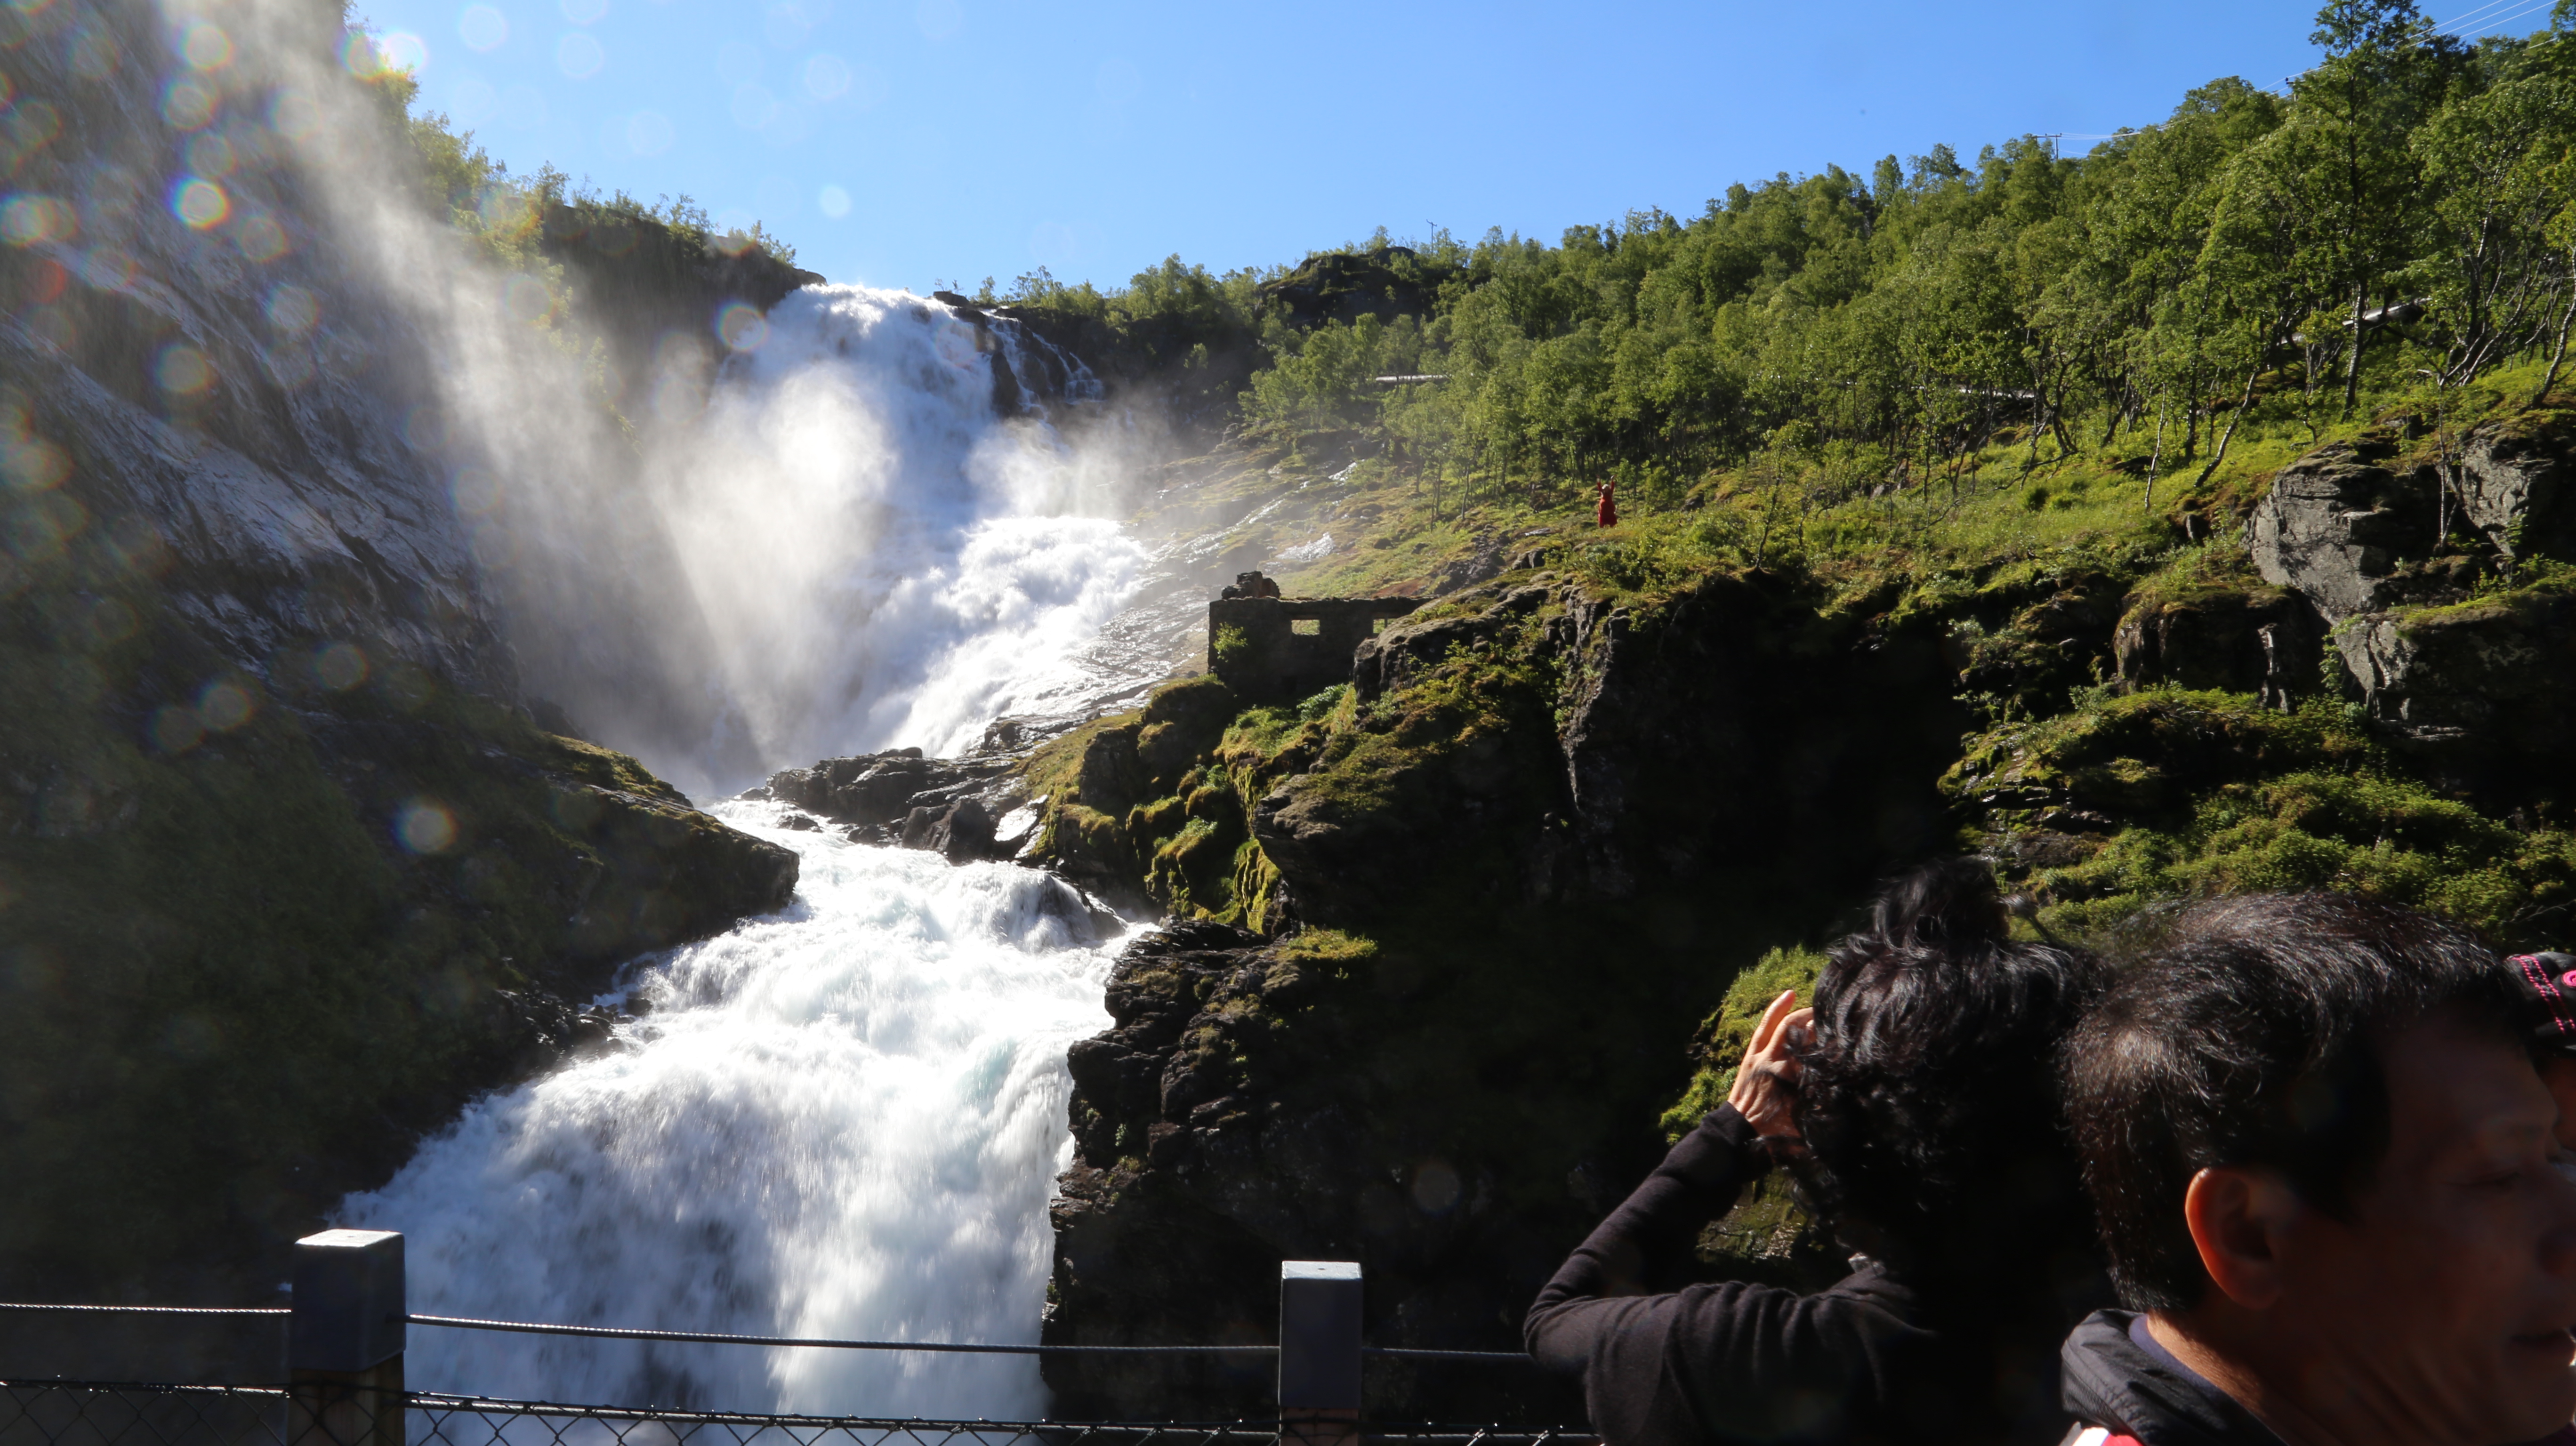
(844, 1120)
(841, 1121)
(882, 557)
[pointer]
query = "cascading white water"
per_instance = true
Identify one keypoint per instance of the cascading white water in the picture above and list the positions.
(842, 1121)
(879, 558)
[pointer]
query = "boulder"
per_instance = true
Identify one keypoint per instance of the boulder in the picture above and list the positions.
(2510, 481)
(2337, 523)
(946, 805)
(2487, 690)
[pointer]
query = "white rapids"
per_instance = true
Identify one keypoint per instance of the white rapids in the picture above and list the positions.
(843, 1121)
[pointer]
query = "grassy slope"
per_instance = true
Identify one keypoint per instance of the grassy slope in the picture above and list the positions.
(2191, 791)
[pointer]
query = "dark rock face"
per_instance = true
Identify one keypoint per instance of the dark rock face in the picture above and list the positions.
(287, 871)
(1195, 1178)
(1338, 286)
(2262, 642)
(2511, 486)
(2487, 690)
(1678, 734)
(1544, 871)
(2466, 676)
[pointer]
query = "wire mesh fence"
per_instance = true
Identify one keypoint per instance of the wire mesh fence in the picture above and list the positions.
(75, 1413)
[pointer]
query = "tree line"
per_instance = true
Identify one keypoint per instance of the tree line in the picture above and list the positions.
(2395, 220)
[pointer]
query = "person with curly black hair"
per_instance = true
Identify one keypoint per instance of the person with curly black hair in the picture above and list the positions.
(1916, 1106)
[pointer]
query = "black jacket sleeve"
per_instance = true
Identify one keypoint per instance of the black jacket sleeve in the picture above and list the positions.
(1708, 1363)
(1646, 1244)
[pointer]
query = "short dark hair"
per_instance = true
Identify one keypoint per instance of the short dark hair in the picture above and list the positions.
(1930, 1097)
(2248, 1032)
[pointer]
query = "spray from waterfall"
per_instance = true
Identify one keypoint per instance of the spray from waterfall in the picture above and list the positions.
(849, 532)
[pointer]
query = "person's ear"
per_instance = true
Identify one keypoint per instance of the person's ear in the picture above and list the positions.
(2559, 1073)
(2240, 1221)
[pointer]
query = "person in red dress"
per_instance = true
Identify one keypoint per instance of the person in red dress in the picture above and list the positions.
(1608, 512)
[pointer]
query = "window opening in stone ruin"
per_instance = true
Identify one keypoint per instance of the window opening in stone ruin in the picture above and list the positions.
(1308, 627)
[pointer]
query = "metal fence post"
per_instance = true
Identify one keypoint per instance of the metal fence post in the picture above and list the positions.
(344, 1342)
(1319, 1353)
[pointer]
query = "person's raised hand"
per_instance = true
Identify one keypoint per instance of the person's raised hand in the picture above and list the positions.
(1766, 1084)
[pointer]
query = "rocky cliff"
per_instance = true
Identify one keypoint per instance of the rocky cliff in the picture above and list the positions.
(1456, 932)
(287, 866)
(1492, 873)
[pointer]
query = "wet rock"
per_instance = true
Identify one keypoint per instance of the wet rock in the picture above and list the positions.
(945, 805)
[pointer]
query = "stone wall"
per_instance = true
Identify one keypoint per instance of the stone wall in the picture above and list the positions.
(1254, 643)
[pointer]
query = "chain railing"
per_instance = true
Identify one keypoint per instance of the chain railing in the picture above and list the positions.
(92, 1413)
(344, 1381)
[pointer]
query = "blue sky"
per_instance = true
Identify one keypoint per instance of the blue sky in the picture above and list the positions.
(907, 142)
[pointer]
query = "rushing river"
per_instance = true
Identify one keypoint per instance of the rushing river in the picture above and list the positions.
(844, 1120)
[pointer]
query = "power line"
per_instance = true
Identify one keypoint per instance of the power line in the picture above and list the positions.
(2453, 24)
(2484, 26)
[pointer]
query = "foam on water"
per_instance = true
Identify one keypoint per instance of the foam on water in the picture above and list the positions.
(843, 1120)
(881, 560)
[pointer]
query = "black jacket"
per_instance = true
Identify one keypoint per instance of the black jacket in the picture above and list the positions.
(2133, 1388)
(1867, 1361)
(2119, 1380)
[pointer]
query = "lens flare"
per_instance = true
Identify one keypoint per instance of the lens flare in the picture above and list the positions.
(182, 370)
(426, 827)
(223, 706)
(403, 51)
(483, 28)
(742, 327)
(205, 46)
(832, 201)
(28, 220)
(585, 12)
(649, 133)
(176, 729)
(296, 115)
(107, 268)
(201, 203)
(292, 310)
(340, 667)
(503, 208)
(827, 77)
(360, 56)
(94, 54)
(579, 57)
(753, 106)
(525, 299)
(210, 155)
(188, 104)
(109, 623)
(32, 464)
(261, 239)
